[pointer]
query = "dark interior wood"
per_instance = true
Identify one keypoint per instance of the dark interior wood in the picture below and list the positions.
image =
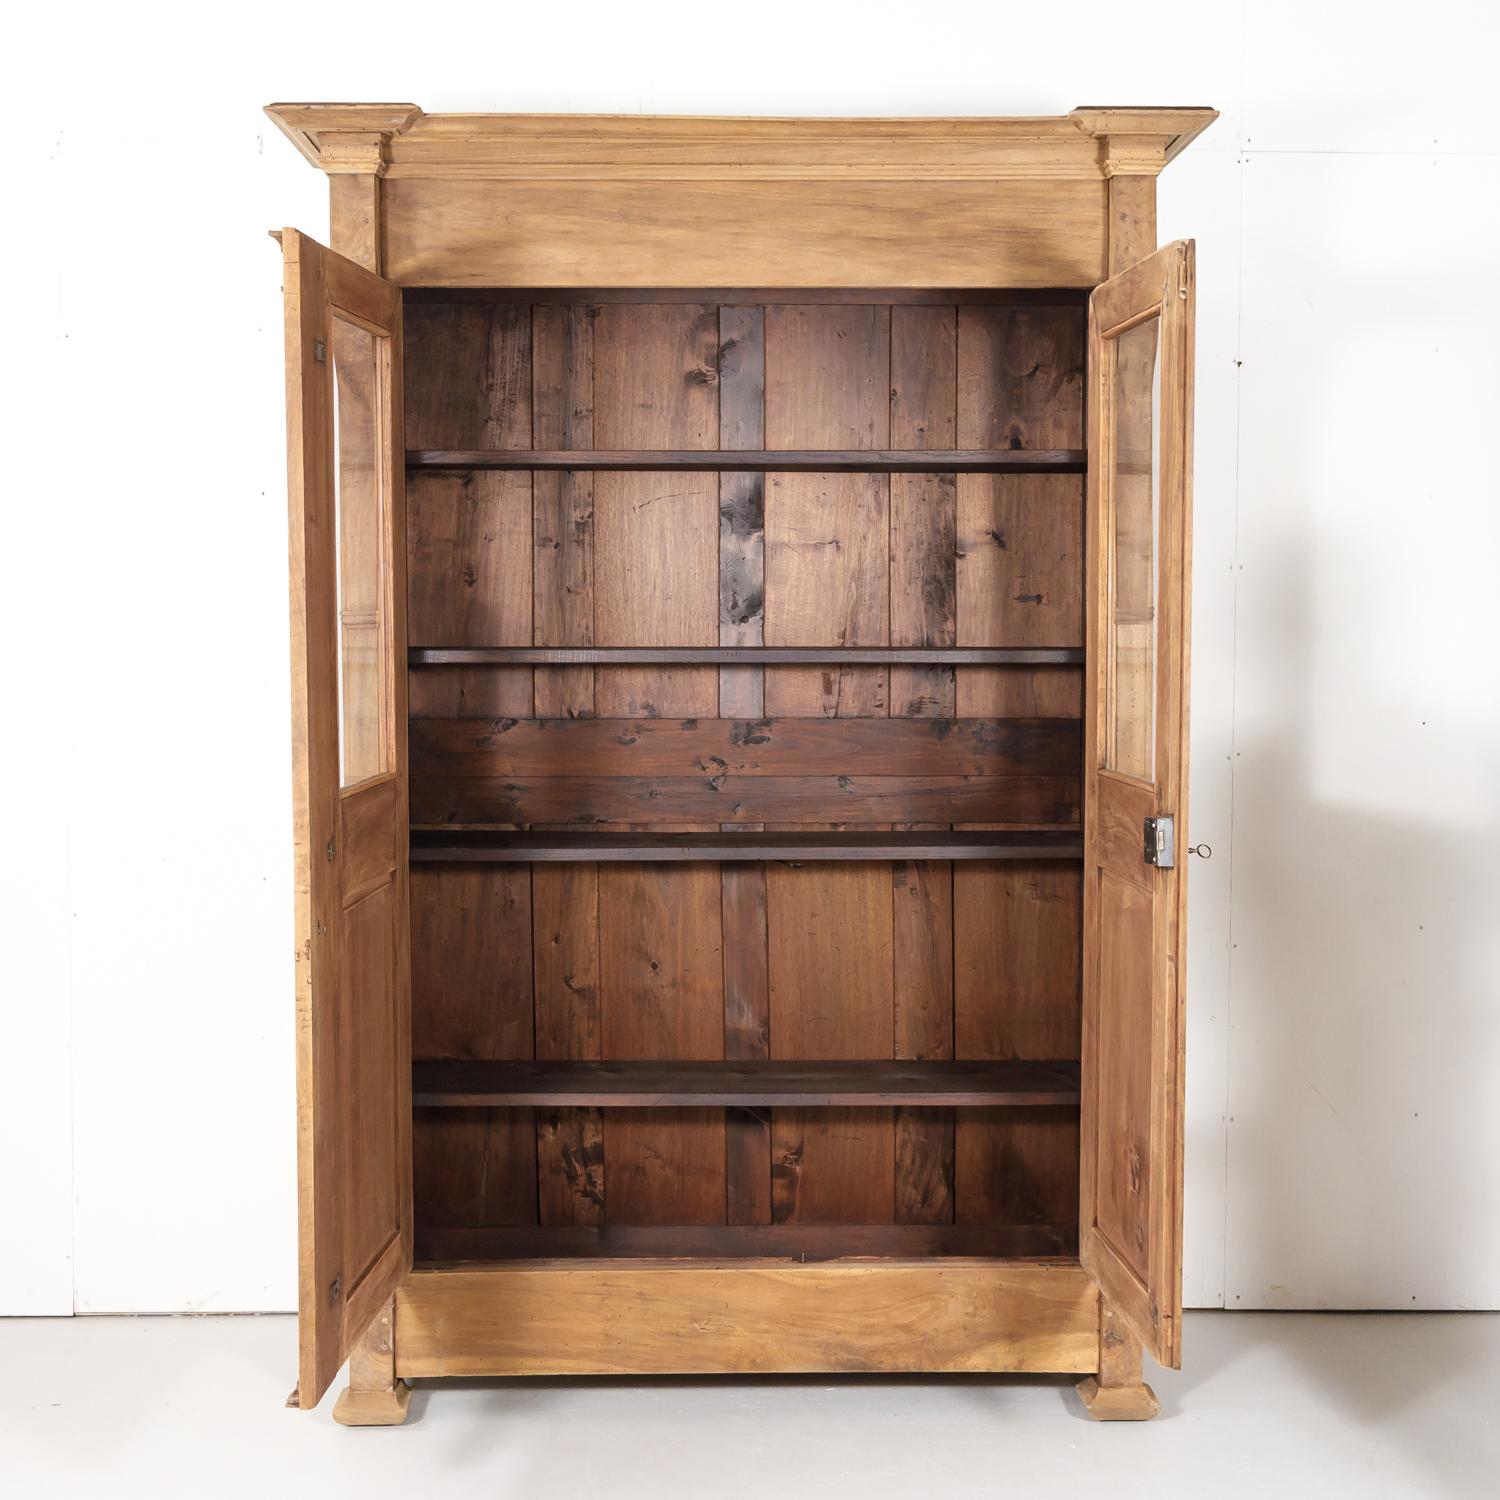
(487, 846)
(720, 835)
(763, 461)
(746, 656)
(457, 1083)
(905, 296)
(802, 1242)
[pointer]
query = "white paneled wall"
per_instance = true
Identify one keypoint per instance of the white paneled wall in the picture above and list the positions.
(1345, 957)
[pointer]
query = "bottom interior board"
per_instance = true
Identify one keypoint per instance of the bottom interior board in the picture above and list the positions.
(703, 1318)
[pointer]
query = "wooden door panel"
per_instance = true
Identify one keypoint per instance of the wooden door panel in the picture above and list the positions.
(371, 1025)
(348, 600)
(1135, 768)
(1124, 1168)
(369, 837)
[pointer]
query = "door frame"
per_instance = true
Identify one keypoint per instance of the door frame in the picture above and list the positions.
(1147, 1297)
(340, 832)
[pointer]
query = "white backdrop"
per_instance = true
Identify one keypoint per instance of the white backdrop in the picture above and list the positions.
(1345, 956)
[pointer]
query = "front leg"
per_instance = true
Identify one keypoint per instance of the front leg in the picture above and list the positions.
(1117, 1393)
(374, 1396)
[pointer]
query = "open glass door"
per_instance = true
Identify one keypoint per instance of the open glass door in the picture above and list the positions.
(345, 471)
(1135, 928)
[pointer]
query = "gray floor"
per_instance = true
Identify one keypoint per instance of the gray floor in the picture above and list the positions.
(1270, 1404)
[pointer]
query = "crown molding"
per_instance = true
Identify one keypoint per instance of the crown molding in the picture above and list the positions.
(399, 140)
(341, 138)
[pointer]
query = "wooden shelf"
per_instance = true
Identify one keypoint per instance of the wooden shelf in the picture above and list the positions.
(762, 460)
(464, 1084)
(800, 1242)
(471, 846)
(745, 656)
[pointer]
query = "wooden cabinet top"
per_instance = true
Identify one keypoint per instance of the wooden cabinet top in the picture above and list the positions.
(399, 140)
(696, 201)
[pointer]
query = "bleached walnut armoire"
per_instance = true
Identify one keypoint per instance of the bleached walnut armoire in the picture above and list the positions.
(740, 659)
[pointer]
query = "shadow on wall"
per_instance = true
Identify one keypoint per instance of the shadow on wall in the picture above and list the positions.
(1366, 958)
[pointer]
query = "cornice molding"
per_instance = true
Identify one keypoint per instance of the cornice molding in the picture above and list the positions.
(398, 140)
(344, 138)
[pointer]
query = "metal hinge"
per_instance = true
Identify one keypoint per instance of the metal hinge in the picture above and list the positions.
(1161, 843)
(328, 848)
(320, 351)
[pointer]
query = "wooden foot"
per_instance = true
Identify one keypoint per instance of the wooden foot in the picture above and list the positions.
(1118, 1403)
(1117, 1393)
(374, 1396)
(373, 1408)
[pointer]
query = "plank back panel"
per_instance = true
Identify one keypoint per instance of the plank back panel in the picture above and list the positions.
(924, 557)
(565, 900)
(922, 960)
(656, 582)
(1018, 927)
(827, 560)
(468, 378)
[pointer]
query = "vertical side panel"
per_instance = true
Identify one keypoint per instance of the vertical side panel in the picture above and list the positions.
(570, 1142)
(924, 368)
(657, 583)
(827, 583)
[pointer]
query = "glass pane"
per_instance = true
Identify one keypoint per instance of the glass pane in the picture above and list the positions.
(359, 516)
(1135, 407)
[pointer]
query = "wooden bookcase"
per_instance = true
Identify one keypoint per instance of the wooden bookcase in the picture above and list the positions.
(739, 609)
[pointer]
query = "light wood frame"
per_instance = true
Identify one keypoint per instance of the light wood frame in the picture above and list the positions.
(626, 201)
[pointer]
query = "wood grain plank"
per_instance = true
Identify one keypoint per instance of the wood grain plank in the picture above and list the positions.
(742, 504)
(761, 296)
(748, 656)
(827, 581)
(668, 1318)
(570, 1142)
(756, 460)
(459, 1083)
(468, 380)
(527, 749)
(565, 938)
(830, 989)
(1017, 927)
(563, 503)
(923, 542)
(1017, 963)
(513, 232)
(799, 847)
(741, 801)
(1020, 383)
(747, 1037)
(804, 1243)
(661, 968)
(471, 998)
